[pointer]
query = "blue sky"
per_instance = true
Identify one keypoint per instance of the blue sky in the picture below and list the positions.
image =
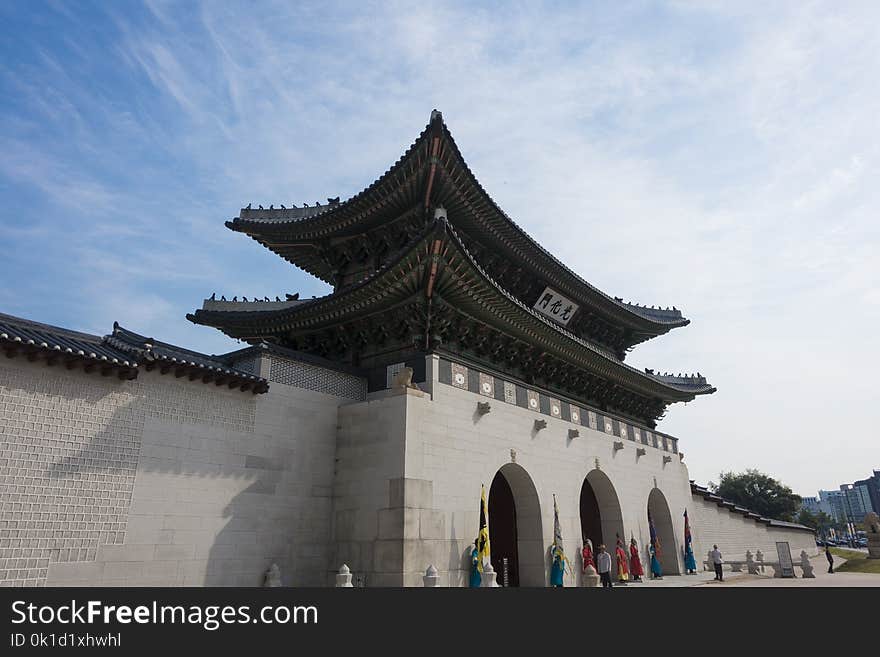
(721, 157)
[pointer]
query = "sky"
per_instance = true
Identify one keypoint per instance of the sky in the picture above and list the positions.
(720, 157)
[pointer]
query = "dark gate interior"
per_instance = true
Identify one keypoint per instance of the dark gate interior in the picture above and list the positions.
(502, 531)
(591, 521)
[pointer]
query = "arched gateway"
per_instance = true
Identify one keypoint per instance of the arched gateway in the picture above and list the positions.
(433, 285)
(515, 528)
(658, 510)
(601, 519)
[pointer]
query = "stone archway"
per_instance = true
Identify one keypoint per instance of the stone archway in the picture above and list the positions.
(658, 509)
(601, 518)
(515, 530)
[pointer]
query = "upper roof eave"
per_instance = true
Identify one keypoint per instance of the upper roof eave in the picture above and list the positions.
(261, 224)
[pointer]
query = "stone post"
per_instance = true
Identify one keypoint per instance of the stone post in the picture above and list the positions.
(590, 578)
(751, 566)
(431, 578)
(343, 578)
(488, 577)
(806, 566)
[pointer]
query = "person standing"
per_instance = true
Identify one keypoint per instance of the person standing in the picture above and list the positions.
(622, 566)
(603, 565)
(635, 563)
(717, 561)
(656, 571)
(557, 571)
(830, 558)
(588, 554)
(476, 578)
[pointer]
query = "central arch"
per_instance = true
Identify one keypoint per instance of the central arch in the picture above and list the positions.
(515, 531)
(658, 509)
(601, 518)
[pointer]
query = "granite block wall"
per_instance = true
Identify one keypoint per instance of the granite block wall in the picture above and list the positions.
(161, 481)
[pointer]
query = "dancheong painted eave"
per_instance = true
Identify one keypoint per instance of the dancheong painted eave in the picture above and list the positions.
(323, 239)
(458, 287)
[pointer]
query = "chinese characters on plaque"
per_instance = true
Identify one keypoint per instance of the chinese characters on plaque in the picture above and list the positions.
(555, 306)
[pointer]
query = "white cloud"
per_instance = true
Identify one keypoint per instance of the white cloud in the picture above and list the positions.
(719, 157)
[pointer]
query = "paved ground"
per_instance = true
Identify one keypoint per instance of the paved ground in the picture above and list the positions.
(820, 564)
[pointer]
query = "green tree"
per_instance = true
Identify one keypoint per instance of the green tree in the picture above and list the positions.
(824, 522)
(808, 519)
(758, 492)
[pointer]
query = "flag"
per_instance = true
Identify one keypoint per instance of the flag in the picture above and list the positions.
(557, 528)
(483, 553)
(689, 562)
(687, 530)
(655, 540)
(557, 572)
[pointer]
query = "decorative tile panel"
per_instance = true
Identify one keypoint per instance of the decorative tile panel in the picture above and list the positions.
(487, 385)
(592, 419)
(509, 392)
(534, 400)
(459, 376)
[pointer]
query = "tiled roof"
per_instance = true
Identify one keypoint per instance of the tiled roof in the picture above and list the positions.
(123, 353)
(54, 343)
(252, 317)
(294, 233)
(708, 495)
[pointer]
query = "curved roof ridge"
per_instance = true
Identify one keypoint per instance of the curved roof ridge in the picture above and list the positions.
(662, 319)
(288, 216)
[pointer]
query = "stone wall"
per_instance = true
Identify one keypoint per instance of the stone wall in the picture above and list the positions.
(451, 450)
(161, 481)
(735, 533)
(392, 519)
(367, 495)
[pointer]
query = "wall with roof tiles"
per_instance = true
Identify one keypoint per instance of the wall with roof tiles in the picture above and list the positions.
(734, 533)
(163, 481)
(160, 481)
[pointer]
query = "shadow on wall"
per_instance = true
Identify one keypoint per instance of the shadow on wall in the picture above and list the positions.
(205, 511)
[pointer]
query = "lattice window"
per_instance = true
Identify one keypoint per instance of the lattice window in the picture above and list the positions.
(249, 365)
(319, 379)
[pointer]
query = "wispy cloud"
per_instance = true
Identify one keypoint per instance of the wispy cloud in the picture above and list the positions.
(719, 157)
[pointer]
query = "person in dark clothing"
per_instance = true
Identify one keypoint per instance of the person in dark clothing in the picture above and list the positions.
(830, 558)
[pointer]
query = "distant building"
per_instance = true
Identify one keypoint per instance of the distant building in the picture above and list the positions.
(872, 484)
(815, 505)
(834, 500)
(857, 500)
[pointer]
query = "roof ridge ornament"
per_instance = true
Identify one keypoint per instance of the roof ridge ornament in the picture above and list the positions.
(436, 115)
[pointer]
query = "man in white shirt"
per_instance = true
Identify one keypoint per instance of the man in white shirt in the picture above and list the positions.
(716, 561)
(603, 566)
